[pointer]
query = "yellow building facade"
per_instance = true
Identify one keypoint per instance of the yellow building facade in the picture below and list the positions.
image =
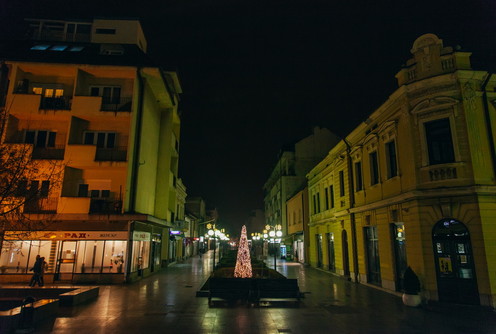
(414, 185)
(108, 115)
(297, 215)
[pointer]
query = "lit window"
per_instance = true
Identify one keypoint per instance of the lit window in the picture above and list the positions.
(58, 48)
(40, 47)
(76, 48)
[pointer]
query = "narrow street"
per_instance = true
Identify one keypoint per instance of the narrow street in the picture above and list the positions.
(166, 303)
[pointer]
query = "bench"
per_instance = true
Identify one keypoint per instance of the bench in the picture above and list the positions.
(229, 289)
(277, 290)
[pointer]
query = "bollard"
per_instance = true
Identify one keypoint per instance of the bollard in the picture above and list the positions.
(26, 318)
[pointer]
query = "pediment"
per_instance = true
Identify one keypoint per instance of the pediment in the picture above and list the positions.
(434, 103)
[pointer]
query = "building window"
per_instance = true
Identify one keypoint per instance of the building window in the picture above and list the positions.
(40, 47)
(45, 188)
(100, 193)
(40, 138)
(47, 91)
(58, 48)
(341, 183)
(314, 204)
(318, 202)
(109, 94)
(326, 198)
(392, 164)
(374, 168)
(331, 193)
(100, 139)
(439, 142)
(83, 190)
(358, 176)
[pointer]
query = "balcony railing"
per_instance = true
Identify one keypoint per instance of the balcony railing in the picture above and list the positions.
(41, 205)
(111, 154)
(442, 173)
(105, 206)
(55, 103)
(120, 104)
(49, 153)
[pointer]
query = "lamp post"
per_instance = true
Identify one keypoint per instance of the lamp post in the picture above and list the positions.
(215, 234)
(270, 233)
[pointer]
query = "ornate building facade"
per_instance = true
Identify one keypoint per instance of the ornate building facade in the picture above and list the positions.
(415, 184)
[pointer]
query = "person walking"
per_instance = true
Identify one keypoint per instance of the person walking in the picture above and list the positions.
(36, 269)
(44, 266)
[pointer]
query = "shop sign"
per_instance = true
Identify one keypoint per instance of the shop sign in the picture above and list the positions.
(141, 236)
(69, 235)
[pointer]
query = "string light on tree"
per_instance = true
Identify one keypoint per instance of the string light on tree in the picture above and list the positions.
(243, 261)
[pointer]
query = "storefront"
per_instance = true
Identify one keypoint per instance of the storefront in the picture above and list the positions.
(72, 256)
(140, 248)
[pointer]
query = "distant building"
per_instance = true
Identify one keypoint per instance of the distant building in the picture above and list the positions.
(196, 211)
(298, 218)
(255, 222)
(414, 185)
(86, 94)
(288, 175)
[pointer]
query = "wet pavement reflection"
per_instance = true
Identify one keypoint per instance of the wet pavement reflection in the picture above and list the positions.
(166, 303)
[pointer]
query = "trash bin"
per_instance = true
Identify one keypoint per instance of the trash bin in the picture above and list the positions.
(26, 318)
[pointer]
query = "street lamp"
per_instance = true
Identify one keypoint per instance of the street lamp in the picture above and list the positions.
(211, 233)
(215, 234)
(270, 233)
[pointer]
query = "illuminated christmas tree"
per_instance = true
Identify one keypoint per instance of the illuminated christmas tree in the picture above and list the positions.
(243, 261)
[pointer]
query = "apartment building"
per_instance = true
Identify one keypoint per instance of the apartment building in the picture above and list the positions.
(414, 185)
(85, 94)
(288, 175)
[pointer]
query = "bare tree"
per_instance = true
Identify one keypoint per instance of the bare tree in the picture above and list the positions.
(28, 187)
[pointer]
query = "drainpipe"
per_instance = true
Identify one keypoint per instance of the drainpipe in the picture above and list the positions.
(488, 123)
(137, 142)
(356, 274)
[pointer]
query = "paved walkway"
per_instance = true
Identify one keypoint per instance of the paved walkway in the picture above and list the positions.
(166, 303)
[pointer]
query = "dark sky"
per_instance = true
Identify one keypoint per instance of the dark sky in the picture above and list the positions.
(260, 74)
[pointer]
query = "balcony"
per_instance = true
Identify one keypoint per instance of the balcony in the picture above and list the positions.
(443, 173)
(452, 172)
(111, 154)
(41, 205)
(55, 103)
(105, 206)
(116, 104)
(49, 153)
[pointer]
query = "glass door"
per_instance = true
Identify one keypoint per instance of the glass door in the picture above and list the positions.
(373, 261)
(455, 269)
(399, 244)
(319, 250)
(66, 260)
(330, 252)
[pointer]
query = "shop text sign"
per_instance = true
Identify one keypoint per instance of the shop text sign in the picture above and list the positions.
(141, 236)
(75, 235)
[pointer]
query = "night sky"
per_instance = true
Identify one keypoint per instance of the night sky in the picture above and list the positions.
(257, 75)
